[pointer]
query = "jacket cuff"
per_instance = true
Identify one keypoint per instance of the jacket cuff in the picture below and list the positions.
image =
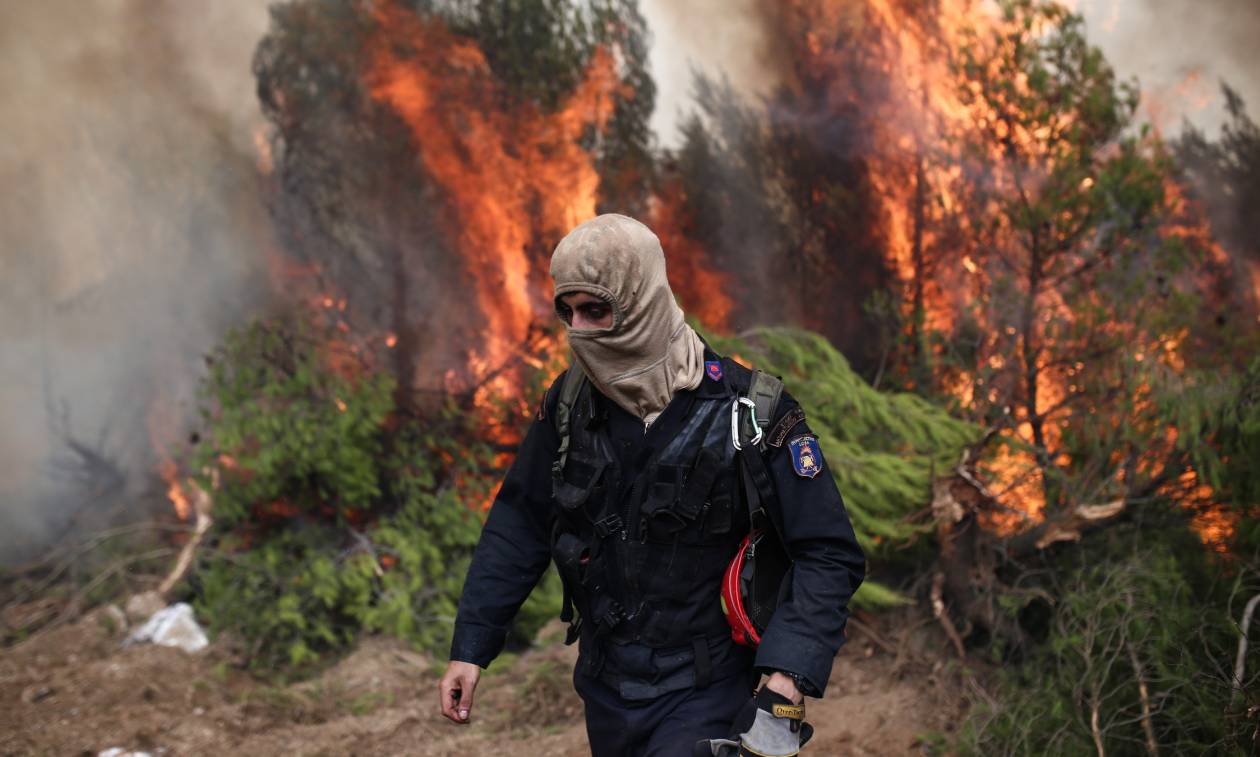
(476, 644)
(789, 652)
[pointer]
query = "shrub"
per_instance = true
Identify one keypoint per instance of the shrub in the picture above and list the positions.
(1138, 649)
(335, 512)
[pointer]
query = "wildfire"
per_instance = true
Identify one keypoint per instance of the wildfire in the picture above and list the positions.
(897, 68)
(703, 291)
(511, 172)
(515, 179)
(175, 490)
(263, 158)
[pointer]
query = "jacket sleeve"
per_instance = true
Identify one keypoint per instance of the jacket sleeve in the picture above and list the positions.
(828, 566)
(515, 546)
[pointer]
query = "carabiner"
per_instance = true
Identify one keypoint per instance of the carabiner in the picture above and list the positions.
(752, 407)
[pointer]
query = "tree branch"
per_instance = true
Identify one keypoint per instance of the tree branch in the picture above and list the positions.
(1241, 659)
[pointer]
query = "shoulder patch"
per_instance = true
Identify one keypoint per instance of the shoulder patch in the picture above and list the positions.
(713, 369)
(785, 426)
(806, 455)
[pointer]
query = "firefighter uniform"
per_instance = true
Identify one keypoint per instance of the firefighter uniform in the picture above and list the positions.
(641, 525)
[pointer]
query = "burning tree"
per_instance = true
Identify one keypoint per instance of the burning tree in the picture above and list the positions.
(1111, 389)
(1047, 278)
(1067, 212)
(428, 162)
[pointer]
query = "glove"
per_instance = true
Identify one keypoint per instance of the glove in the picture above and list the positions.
(769, 725)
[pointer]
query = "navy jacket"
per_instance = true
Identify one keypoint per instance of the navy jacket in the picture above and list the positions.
(514, 551)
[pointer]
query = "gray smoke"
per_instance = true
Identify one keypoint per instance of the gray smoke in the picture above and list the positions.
(132, 232)
(716, 38)
(1181, 51)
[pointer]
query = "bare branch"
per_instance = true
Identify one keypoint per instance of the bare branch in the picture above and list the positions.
(1152, 747)
(1240, 660)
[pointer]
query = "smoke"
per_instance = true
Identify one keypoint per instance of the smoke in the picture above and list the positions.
(131, 233)
(715, 38)
(1181, 51)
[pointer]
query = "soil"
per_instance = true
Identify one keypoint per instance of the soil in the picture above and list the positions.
(76, 690)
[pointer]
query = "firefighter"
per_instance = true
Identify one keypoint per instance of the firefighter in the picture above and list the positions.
(626, 480)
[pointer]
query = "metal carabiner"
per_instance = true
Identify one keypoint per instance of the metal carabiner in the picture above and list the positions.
(752, 407)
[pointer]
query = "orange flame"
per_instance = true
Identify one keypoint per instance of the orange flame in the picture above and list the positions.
(175, 490)
(510, 170)
(702, 289)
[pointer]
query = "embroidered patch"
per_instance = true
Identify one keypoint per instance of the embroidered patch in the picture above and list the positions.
(806, 456)
(713, 369)
(785, 425)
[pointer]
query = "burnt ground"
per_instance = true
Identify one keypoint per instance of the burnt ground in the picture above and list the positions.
(75, 691)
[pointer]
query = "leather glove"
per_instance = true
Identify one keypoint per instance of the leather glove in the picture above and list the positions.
(769, 725)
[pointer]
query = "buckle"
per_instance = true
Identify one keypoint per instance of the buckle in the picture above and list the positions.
(610, 525)
(614, 616)
(735, 422)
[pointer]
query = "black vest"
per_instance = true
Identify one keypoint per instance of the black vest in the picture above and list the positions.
(642, 560)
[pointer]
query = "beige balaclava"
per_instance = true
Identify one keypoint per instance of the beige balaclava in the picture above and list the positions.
(649, 352)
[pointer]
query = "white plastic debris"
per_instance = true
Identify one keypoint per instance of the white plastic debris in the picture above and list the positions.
(120, 752)
(173, 626)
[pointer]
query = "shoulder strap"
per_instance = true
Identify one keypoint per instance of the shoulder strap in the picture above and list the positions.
(570, 387)
(764, 390)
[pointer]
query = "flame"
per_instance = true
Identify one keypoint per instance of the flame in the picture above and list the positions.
(263, 158)
(892, 65)
(510, 171)
(513, 175)
(175, 490)
(703, 290)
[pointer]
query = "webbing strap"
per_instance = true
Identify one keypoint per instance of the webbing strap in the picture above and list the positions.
(704, 663)
(759, 489)
(574, 378)
(764, 390)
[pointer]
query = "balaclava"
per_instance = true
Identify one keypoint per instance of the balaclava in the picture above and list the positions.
(649, 352)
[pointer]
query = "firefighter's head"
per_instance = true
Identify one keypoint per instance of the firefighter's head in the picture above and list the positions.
(626, 330)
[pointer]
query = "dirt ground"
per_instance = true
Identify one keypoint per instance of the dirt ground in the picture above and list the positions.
(76, 691)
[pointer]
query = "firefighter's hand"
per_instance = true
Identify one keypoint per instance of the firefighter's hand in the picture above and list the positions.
(781, 684)
(456, 690)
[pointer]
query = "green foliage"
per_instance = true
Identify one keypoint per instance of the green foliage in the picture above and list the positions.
(334, 513)
(537, 49)
(884, 449)
(294, 431)
(1130, 612)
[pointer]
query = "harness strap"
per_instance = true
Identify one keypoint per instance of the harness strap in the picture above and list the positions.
(704, 663)
(759, 489)
(574, 378)
(764, 390)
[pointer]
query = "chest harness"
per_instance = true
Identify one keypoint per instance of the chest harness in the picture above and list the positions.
(644, 560)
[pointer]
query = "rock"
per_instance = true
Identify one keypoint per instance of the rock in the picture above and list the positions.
(142, 606)
(173, 626)
(36, 692)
